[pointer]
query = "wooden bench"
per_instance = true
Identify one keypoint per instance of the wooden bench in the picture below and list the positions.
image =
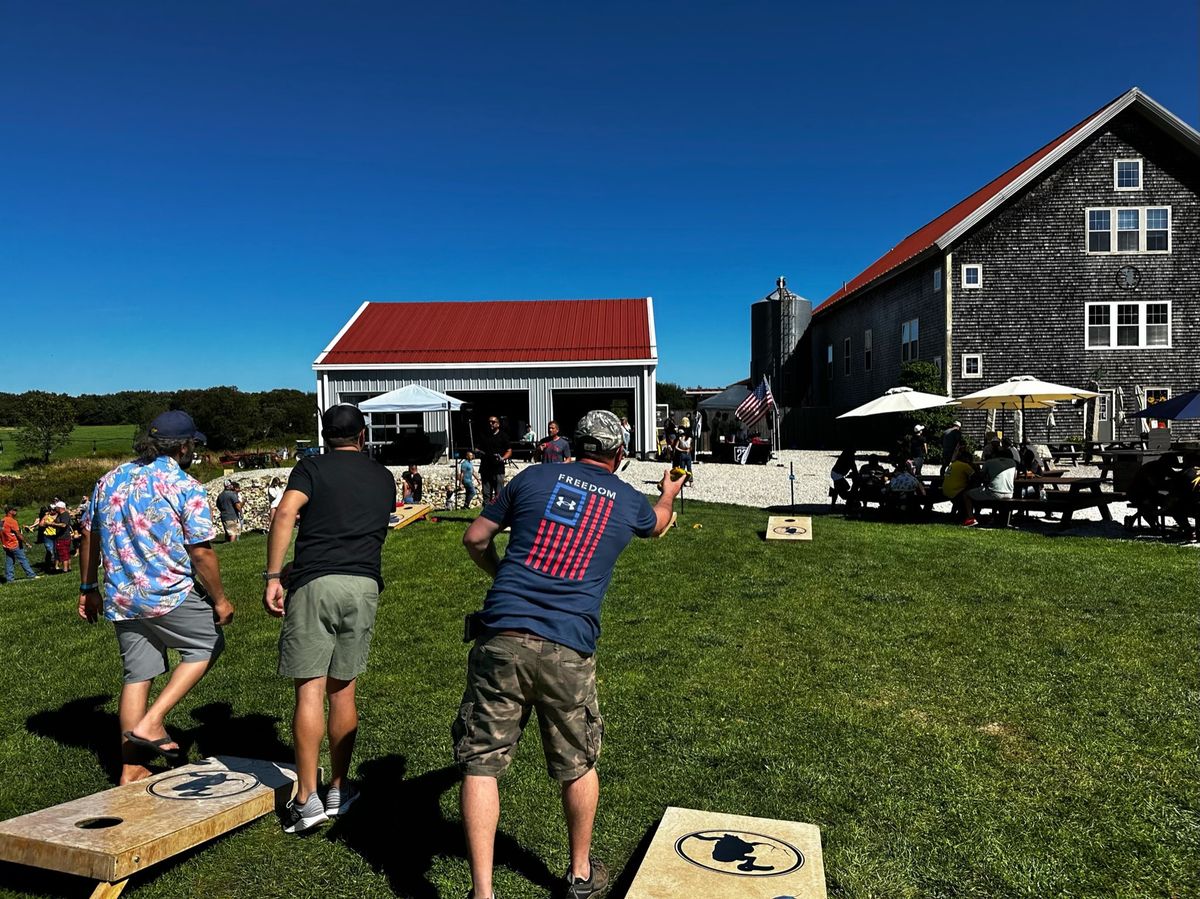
(1061, 502)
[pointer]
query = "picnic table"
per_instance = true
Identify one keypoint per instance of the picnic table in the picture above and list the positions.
(1065, 496)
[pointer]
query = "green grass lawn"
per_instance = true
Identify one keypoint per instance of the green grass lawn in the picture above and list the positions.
(85, 441)
(963, 713)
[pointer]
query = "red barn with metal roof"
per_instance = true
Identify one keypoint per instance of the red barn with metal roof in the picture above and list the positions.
(527, 361)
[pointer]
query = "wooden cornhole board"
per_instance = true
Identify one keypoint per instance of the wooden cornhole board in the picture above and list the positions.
(784, 527)
(109, 836)
(716, 856)
(408, 513)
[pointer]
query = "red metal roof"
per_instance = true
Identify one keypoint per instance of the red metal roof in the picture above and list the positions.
(928, 236)
(495, 331)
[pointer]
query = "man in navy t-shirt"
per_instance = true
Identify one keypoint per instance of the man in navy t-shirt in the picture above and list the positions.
(538, 630)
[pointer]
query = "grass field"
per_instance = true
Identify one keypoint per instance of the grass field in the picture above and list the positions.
(85, 441)
(963, 713)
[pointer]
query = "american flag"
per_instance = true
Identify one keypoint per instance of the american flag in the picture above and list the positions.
(756, 404)
(569, 533)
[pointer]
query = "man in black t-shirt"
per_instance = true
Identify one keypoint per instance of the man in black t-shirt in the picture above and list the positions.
(414, 485)
(329, 611)
(493, 451)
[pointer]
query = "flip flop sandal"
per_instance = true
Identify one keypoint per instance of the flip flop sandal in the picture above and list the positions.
(155, 745)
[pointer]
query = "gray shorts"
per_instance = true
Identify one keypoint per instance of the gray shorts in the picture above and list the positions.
(189, 628)
(982, 495)
(327, 626)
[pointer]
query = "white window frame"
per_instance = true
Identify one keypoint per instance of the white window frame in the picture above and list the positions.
(867, 349)
(1154, 422)
(937, 280)
(1113, 325)
(1117, 168)
(979, 270)
(846, 349)
(906, 354)
(1113, 233)
(978, 357)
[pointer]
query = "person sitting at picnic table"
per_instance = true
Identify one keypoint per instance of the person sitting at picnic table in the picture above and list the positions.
(843, 475)
(959, 474)
(871, 484)
(905, 480)
(1152, 491)
(1185, 500)
(998, 473)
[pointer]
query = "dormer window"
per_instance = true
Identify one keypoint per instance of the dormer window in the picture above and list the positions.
(1127, 174)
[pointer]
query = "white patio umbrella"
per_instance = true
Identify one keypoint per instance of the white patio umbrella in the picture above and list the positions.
(899, 399)
(1022, 392)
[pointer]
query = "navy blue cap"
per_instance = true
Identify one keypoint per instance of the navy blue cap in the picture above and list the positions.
(176, 425)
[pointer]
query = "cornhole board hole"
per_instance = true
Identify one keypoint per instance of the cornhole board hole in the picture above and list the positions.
(719, 856)
(783, 527)
(408, 513)
(111, 835)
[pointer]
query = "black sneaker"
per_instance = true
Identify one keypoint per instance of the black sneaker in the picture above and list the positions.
(596, 883)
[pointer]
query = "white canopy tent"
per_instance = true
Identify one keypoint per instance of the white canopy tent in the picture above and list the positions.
(416, 398)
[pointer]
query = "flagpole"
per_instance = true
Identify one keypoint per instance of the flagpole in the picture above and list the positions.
(774, 415)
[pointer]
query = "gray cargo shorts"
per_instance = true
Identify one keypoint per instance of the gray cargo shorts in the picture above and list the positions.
(327, 627)
(508, 677)
(189, 628)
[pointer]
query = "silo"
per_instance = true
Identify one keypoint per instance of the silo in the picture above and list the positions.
(777, 324)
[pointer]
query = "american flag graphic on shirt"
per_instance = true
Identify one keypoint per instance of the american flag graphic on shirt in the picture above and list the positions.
(569, 532)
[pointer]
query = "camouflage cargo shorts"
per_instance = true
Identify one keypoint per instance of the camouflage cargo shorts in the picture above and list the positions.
(509, 676)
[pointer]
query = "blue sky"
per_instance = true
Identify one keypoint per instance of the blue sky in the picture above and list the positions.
(200, 194)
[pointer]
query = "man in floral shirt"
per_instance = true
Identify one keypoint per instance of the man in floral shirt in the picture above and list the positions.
(151, 525)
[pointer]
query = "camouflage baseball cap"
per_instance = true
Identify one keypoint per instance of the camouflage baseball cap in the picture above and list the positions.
(599, 432)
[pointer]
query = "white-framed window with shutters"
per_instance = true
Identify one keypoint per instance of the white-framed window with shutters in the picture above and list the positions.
(867, 350)
(1127, 174)
(1128, 325)
(846, 357)
(910, 340)
(1128, 229)
(972, 365)
(972, 276)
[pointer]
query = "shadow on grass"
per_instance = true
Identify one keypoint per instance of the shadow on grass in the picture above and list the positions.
(85, 723)
(624, 880)
(387, 797)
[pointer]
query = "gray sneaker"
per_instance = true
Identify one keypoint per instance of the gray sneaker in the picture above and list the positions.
(303, 818)
(596, 883)
(338, 802)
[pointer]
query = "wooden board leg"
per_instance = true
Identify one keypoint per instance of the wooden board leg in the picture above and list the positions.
(106, 890)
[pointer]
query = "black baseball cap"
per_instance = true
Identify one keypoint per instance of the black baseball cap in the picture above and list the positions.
(176, 425)
(342, 420)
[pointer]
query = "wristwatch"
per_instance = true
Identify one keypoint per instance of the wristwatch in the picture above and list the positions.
(272, 575)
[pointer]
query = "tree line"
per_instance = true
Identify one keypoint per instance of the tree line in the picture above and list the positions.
(229, 418)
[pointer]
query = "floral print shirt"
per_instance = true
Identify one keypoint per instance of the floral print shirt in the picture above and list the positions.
(145, 517)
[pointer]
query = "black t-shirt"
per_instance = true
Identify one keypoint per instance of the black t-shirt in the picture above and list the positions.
(493, 446)
(344, 523)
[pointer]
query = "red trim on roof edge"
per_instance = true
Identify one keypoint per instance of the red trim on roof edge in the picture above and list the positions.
(928, 236)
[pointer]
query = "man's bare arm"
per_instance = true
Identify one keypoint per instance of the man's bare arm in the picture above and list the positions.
(278, 541)
(481, 546)
(665, 507)
(90, 603)
(208, 570)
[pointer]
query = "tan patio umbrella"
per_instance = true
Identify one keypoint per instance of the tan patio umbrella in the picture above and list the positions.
(1023, 392)
(899, 399)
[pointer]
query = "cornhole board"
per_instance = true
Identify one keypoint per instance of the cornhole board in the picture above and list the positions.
(720, 856)
(783, 527)
(111, 835)
(408, 513)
